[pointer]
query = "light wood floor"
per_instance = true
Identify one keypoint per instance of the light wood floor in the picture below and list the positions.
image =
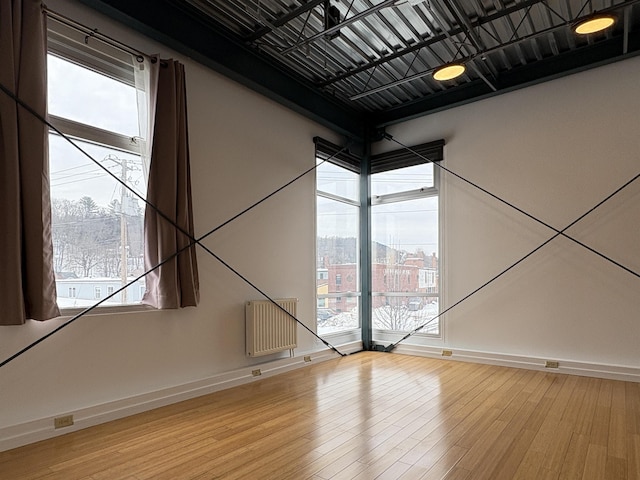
(366, 416)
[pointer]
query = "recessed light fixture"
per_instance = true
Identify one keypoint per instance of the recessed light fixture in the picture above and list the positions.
(448, 71)
(594, 23)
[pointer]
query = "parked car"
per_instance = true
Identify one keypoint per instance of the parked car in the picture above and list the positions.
(414, 304)
(325, 313)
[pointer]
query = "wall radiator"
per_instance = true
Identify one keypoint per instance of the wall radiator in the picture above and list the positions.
(269, 329)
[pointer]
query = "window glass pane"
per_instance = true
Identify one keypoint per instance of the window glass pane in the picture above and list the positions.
(97, 224)
(405, 313)
(338, 181)
(337, 265)
(331, 321)
(88, 97)
(405, 262)
(402, 179)
(73, 174)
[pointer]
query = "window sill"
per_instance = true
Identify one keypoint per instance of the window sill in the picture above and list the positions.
(106, 310)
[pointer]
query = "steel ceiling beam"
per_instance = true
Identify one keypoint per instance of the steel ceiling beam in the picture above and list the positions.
(286, 18)
(435, 39)
(342, 24)
(479, 22)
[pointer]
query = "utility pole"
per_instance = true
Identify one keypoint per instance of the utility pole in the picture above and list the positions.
(123, 232)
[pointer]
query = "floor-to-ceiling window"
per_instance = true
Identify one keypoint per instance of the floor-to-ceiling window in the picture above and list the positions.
(404, 274)
(337, 244)
(405, 250)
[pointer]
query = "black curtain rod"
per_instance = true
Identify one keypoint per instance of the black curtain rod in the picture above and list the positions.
(94, 33)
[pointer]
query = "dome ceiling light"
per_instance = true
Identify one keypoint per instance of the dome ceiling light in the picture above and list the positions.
(594, 23)
(448, 71)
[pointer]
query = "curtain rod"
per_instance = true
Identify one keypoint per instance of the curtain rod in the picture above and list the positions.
(94, 33)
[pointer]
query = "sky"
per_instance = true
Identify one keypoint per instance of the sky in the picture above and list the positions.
(94, 99)
(407, 225)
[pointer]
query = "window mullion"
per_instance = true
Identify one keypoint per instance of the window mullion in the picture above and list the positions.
(96, 135)
(338, 198)
(404, 196)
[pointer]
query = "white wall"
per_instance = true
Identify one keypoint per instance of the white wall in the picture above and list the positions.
(243, 147)
(555, 150)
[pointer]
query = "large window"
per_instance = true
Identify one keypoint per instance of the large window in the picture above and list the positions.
(404, 273)
(405, 258)
(97, 223)
(338, 248)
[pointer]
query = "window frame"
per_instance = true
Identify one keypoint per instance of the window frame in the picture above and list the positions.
(71, 45)
(399, 197)
(327, 152)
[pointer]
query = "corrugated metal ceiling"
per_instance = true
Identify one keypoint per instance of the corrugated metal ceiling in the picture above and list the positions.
(381, 54)
(358, 65)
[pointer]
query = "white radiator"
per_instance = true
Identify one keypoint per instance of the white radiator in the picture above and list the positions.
(269, 329)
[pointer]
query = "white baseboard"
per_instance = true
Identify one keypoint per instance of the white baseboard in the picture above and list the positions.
(613, 372)
(14, 436)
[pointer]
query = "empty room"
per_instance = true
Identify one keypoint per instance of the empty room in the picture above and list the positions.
(313, 239)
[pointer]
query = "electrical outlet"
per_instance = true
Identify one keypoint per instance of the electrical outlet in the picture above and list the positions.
(61, 422)
(447, 353)
(551, 364)
(307, 358)
(256, 372)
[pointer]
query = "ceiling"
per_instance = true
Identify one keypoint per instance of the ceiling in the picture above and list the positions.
(360, 65)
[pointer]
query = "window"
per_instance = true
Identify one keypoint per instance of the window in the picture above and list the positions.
(72, 292)
(337, 246)
(405, 258)
(97, 223)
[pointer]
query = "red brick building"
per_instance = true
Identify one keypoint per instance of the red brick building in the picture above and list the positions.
(415, 275)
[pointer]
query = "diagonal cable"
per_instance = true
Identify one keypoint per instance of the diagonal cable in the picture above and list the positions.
(192, 241)
(522, 259)
(525, 213)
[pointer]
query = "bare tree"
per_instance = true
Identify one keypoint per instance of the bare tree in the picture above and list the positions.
(394, 316)
(87, 237)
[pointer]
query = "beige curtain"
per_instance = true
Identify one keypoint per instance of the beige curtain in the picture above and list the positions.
(27, 283)
(175, 284)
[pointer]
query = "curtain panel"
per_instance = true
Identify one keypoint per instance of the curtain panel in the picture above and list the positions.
(27, 281)
(175, 283)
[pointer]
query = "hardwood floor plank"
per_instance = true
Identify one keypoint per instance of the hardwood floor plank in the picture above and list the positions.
(365, 416)
(445, 464)
(602, 414)
(394, 471)
(574, 461)
(632, 405)
(507, 466)
(617, 441)
(595, 463)
(586, 412)
(633, 460)
(414, 472)
(615, 468)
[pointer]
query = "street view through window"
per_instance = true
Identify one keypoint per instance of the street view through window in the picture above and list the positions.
(337, 249)
(405, 264)
(97, 224)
